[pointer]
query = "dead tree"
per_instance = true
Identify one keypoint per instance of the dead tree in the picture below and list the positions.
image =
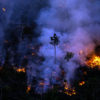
(54, 42)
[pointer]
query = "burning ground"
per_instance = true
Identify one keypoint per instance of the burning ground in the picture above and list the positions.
(55, 44)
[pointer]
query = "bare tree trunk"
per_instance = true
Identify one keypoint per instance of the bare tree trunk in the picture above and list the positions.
(55, 52)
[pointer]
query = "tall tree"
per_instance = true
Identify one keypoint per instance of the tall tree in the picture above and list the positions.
(54, 42)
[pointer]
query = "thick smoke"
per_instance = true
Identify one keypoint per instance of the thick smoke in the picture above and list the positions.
(75, 22)
(17, 29)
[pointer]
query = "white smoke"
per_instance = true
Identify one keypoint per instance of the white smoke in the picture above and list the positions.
(76, 24)
(72, 21)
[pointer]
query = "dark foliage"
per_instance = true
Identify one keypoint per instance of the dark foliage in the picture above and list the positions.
(13, 87)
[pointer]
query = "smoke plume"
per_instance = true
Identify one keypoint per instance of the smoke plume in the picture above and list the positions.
(26, 27)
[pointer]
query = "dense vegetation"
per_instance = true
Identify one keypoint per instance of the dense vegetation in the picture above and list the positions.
(13, 86)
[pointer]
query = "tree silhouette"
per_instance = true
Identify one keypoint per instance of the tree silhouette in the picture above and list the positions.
(54, 42)
(69, 55)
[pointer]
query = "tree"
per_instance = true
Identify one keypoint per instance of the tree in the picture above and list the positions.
(69, 55)
(54, 42)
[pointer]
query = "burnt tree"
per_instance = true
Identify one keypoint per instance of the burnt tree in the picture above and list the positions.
(54, 42)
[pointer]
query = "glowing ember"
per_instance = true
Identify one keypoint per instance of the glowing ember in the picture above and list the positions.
(4, 9)
(28, 89)
(21, 70)
(69, 91)
(81, 83)
(94, 62)
(33, 54)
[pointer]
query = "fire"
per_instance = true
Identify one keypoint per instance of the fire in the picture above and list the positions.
(28, 89)
(21, 70)
(94, 62)
(4, 9)
(81, 83)
(69, 91)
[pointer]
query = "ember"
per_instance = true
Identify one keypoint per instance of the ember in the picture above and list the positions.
(21, 70)
(4, 9)
(81, 83)
(28, 89)
(69, 91)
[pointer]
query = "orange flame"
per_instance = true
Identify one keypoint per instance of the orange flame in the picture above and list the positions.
(69, 91)
(21, 70)
(81, 83)
(28, 89)
(94, 62)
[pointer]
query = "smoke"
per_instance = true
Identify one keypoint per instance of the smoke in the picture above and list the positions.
(17, 29)
(76, 24)
(26, 28)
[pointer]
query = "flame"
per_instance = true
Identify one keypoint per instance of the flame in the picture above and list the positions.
(21, 70)
(81, 83)
(94, 62)
(69, 91)
(28, 89)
